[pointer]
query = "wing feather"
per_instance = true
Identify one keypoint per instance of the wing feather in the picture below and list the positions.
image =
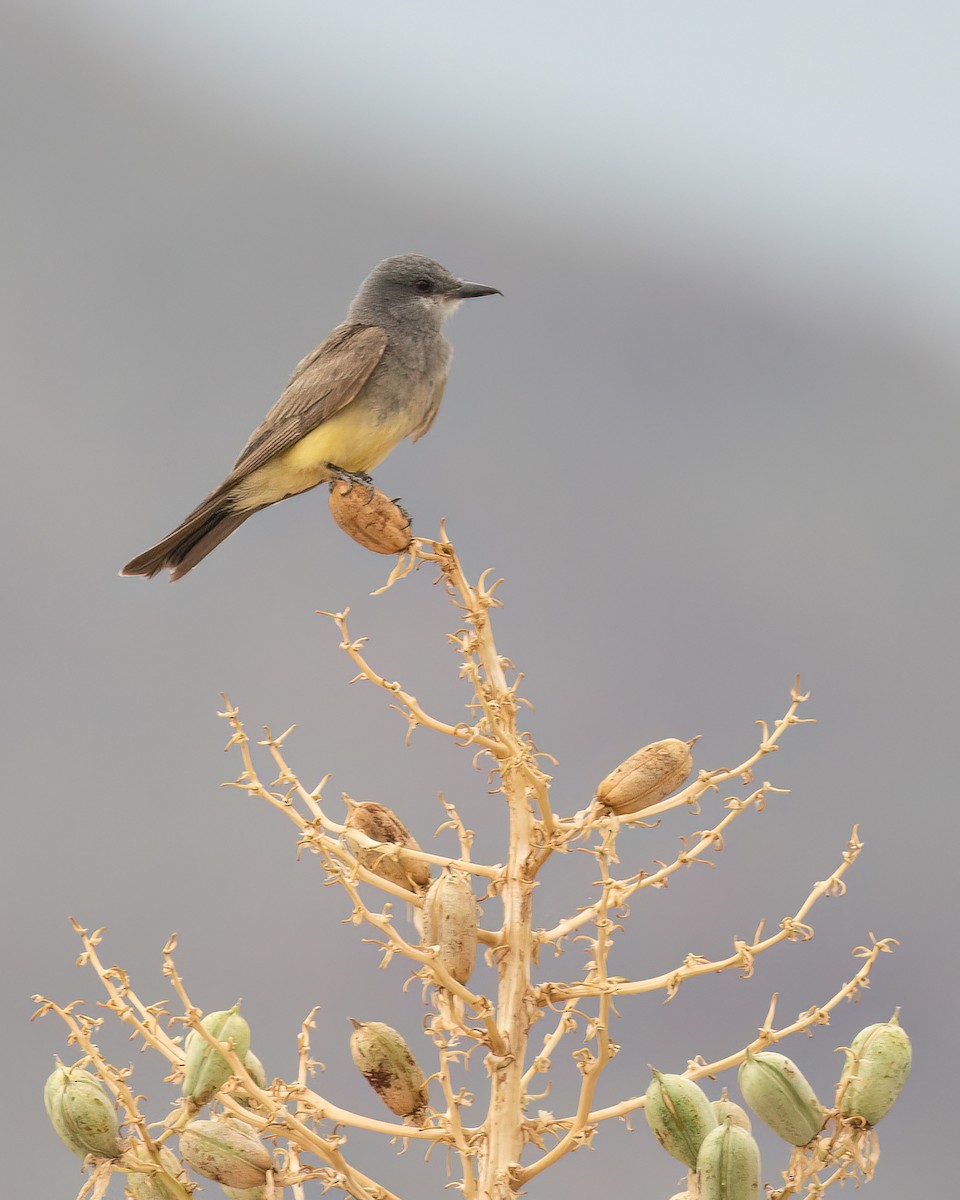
(323, 382)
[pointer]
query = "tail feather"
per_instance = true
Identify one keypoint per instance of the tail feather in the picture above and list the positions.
(191, 541)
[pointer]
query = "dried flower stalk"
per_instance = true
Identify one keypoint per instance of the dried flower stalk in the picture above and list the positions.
(468, 1029)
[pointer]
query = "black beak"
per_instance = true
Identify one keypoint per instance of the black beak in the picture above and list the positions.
(468, 291)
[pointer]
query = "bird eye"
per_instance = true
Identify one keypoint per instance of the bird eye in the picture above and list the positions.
(423, 286)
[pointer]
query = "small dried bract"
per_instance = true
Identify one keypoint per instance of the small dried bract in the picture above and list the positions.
(647, 777)
(369, 517)
(82, 1113)
(383, 1058)
(224, 1151)
(382, 825)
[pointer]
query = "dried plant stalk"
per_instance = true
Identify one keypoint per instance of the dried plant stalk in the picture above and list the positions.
(376, 862)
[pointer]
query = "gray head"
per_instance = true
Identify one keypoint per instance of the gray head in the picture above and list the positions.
(412, 289)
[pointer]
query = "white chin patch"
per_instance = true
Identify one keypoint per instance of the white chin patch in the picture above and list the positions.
(450, 306)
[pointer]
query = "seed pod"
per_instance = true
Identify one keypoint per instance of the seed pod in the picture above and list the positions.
(450, 922)
(226, 1152)
(257, 1074)
(728, 1113)
(728, 1166)
(877, 1067)
(382, 825)
(384, 1059)
(646, 777)
(157, 1185)
(81, 1112)
(206, 1070)
(257, 1193)
(776, 1090)
(680, 1115)
(369, 517)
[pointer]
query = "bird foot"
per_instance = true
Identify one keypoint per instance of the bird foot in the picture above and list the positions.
(356, 477)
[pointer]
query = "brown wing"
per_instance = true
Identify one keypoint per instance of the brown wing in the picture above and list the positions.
(326, 380)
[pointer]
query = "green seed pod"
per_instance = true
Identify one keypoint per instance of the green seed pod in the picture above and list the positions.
(257, 1074)
(776, 1090)
(383, 1058)
(382, 825)
(82, 1113)
(728, 1166)
(157, 1185)
(646, 777)
(680, 1115)
(450, 922)
(877, 1067)
(226, 1152)
(728, 1113)
(206, 1070)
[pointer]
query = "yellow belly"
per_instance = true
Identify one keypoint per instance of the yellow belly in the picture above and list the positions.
(350, 439)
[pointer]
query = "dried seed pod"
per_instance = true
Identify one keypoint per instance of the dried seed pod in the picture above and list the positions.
(776, 1090)
(369, 517)
(82, 1112)
(226, 1152)
(728, 1113)
(156, 1185)
(728, 1166)
(877, 1067)
(647, 777)
(383, 1058)
(257, 1193)
(382, 825)
(680, 1115)
(206, 1070)
(450, 921)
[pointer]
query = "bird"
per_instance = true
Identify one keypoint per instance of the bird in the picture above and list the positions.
(377, 379)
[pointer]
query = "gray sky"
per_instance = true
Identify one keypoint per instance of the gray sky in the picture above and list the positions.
(708, 436)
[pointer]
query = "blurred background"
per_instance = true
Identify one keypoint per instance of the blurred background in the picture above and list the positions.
(708, 436)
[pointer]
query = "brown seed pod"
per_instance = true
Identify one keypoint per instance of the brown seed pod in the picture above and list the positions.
(450, 922)
(383, 1058)
(226, 1152)
(382, 825)
(369, 517)
(647, 777)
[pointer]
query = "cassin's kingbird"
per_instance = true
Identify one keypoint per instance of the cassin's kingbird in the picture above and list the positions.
(377, 379)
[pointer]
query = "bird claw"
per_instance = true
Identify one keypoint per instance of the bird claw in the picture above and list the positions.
(354, 477)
